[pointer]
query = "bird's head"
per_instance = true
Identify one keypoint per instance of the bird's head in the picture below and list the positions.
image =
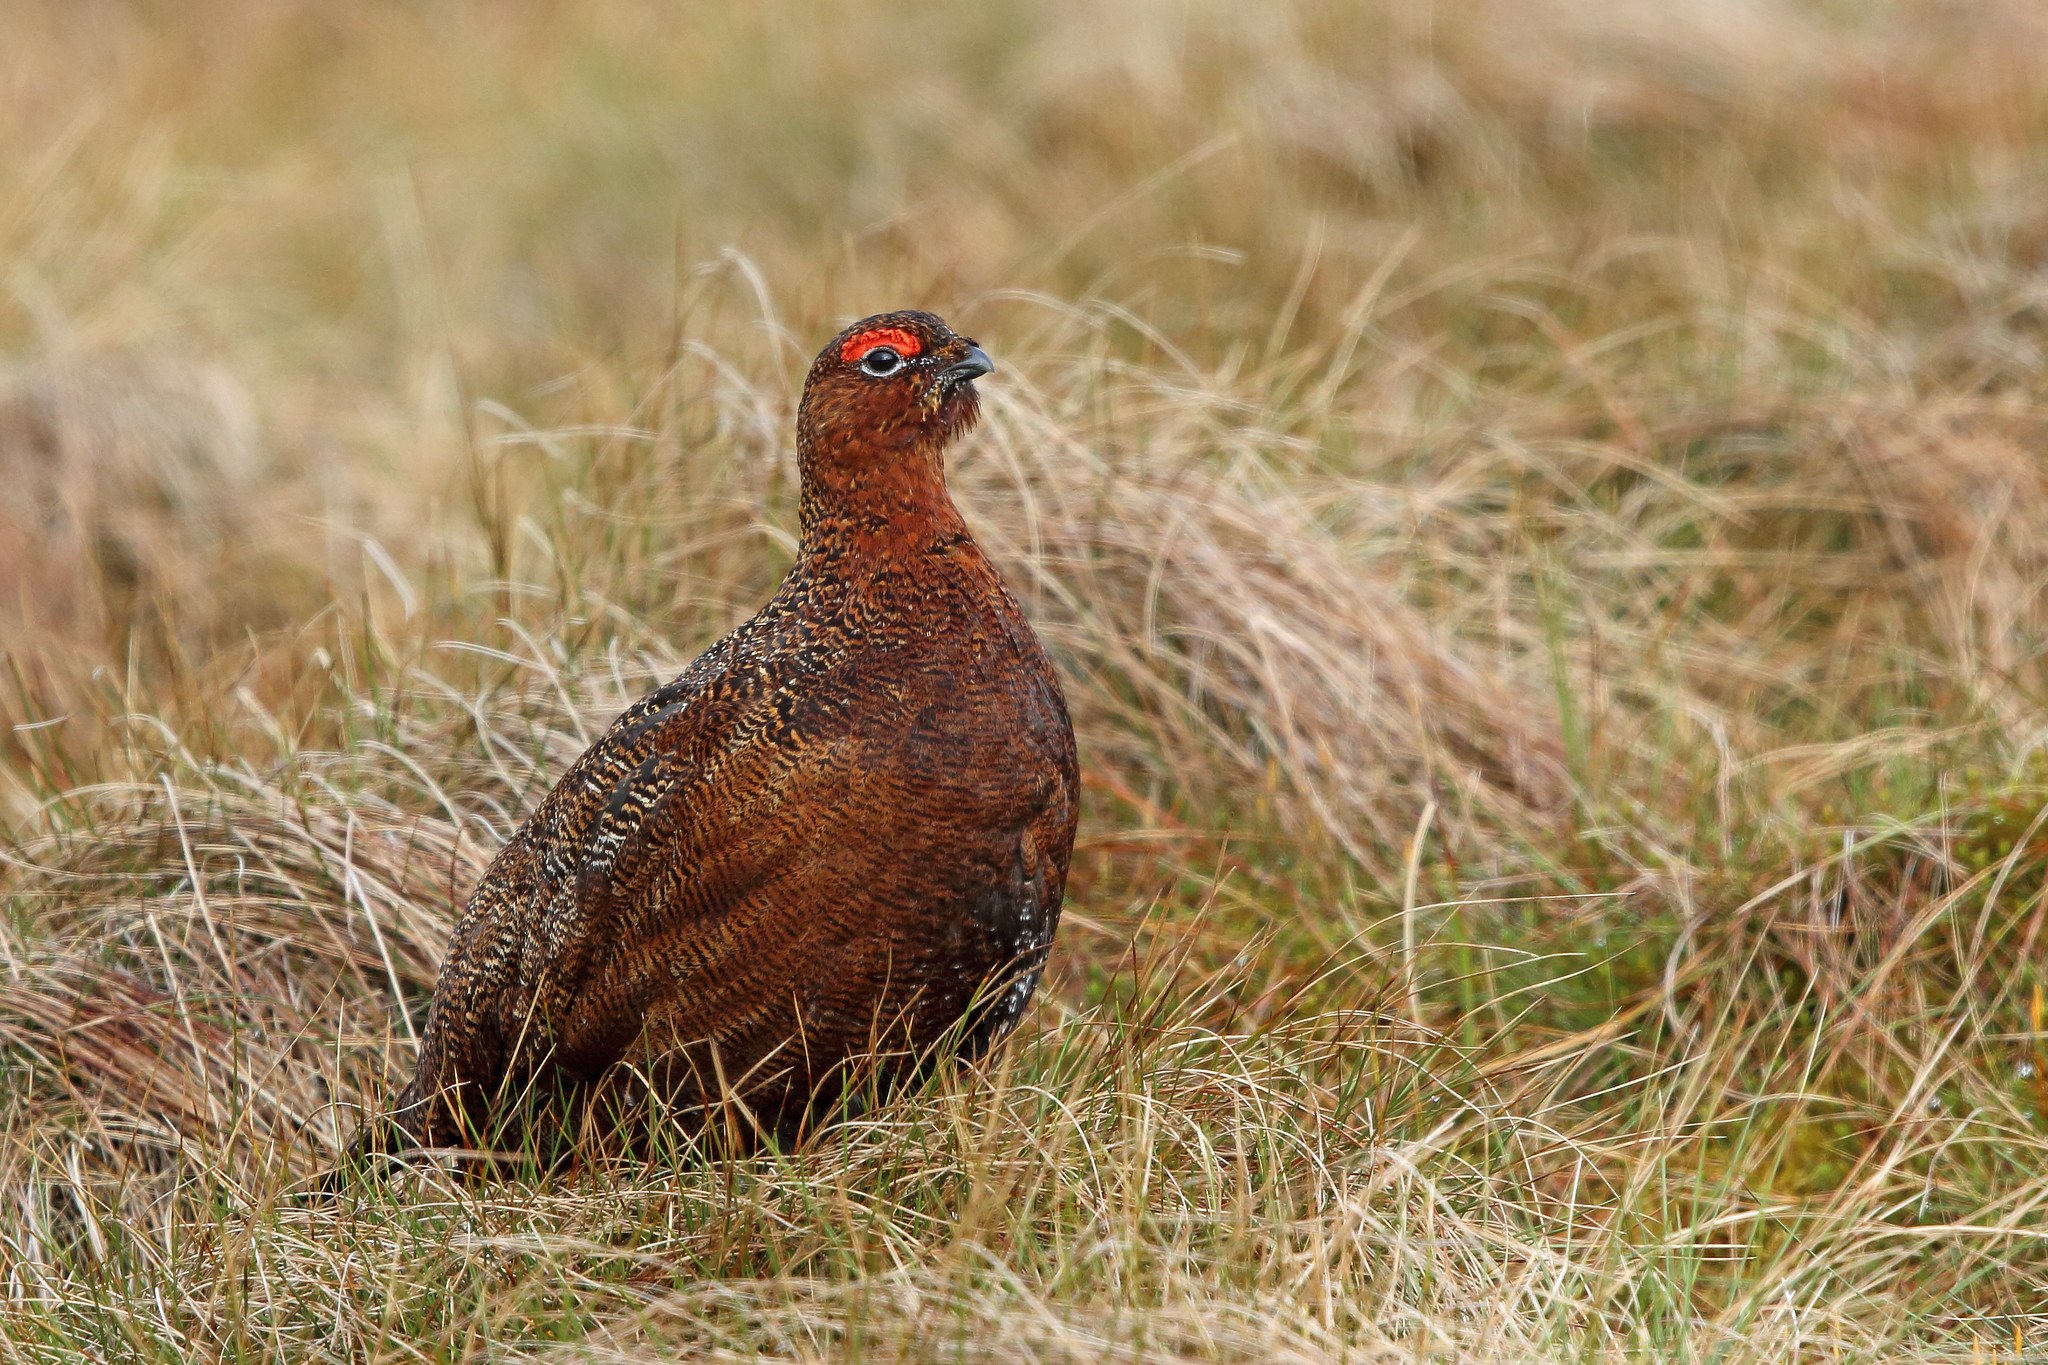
(888, 382)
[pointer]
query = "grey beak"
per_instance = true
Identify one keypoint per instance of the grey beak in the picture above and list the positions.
(973, 365)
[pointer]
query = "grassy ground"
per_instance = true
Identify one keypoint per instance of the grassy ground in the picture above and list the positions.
(1540, 508)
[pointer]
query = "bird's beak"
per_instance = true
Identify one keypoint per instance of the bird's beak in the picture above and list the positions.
(973, 365)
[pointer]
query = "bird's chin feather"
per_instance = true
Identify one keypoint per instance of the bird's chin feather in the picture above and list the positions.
(959, 411)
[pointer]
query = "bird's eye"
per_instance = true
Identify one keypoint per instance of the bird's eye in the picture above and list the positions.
(881, 361)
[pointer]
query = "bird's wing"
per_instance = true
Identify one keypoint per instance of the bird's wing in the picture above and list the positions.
(522, 941)
(683, 842)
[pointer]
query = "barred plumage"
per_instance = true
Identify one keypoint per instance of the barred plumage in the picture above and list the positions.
(840, 827)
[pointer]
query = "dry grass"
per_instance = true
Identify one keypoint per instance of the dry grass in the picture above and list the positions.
(1541, 510)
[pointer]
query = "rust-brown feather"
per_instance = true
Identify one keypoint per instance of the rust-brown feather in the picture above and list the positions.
(843, 828)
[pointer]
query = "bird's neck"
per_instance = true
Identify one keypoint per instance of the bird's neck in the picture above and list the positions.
(876, 509)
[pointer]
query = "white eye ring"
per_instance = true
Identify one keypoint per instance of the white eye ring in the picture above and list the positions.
(881, 362)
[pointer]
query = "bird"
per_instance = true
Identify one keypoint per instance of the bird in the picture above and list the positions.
(831, 849)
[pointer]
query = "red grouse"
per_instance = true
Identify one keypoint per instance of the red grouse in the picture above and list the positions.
(842, 833)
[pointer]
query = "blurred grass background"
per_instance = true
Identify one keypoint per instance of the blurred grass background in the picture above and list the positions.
(1540, 508)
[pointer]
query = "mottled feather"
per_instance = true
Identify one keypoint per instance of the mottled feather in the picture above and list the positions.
(844, 829)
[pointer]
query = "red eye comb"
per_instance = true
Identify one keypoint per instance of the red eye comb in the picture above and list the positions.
(904, 343)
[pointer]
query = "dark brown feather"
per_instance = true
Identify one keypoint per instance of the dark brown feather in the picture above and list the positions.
(843, 829)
